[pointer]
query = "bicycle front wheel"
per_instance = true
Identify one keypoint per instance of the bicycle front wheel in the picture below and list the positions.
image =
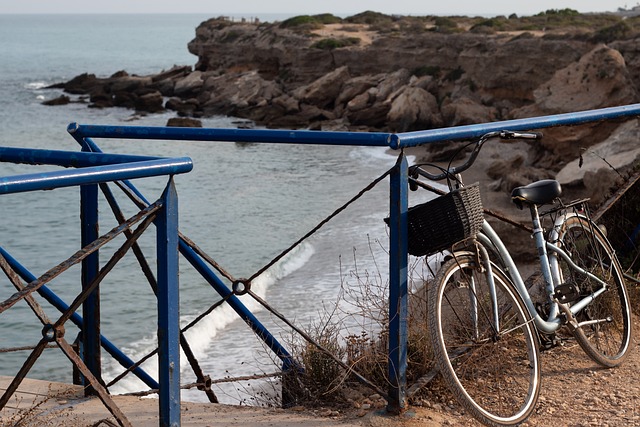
(605, 326)
(484, 342)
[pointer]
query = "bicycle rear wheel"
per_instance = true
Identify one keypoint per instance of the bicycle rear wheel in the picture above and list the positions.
(491, 365)
(605, 324)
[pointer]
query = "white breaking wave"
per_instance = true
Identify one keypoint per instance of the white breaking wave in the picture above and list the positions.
(35, 85)
(202, 336)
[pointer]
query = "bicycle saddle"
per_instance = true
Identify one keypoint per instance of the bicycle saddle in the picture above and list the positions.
(538, 193)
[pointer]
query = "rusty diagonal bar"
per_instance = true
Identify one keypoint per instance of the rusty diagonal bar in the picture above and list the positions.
(62, 344)
(103, 394)
(148, 273)
(206, 257)
(115, 258)
(24, 370)
(58, 328)
(78, 257)
(17, 283)
(117, 212)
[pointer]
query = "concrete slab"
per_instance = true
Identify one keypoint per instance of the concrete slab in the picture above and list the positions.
(44, 403)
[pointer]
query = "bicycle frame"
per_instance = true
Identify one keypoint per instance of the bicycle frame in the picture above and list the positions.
(550, 271)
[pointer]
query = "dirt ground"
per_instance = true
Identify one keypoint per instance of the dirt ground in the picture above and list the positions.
(575, 392)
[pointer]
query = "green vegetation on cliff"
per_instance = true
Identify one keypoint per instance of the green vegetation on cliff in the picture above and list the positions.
(600, 27)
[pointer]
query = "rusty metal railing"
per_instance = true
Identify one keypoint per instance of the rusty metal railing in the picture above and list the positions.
(92, 170)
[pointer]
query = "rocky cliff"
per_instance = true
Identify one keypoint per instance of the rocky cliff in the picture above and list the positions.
(349, 75)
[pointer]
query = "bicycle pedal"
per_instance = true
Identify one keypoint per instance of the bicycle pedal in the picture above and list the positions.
(567, 292)
(548, 341)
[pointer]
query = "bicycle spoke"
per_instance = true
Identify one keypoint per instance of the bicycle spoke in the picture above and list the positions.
(494, 373)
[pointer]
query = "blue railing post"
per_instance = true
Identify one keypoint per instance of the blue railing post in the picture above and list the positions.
(168, 309)
(90, 266)
(398, 287)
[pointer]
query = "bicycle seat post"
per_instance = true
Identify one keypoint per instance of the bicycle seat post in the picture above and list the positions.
(538, 235)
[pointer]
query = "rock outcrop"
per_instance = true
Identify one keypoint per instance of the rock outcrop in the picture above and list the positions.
(281, 78)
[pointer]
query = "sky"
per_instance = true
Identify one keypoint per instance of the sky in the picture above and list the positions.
(299, 7)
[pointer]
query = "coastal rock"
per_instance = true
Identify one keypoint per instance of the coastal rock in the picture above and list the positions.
(165, 81)
(324, 91)
(150, 102)
(514, 171)
(413, 108)
(356, 86)
(188, 85)
(186, 107)
(127, 83)
(287, 104)
(60, 100)
(81, 84)
(372, 107)
(281, 77)
(390, 84)
(511, 69)
(244, 95)
(184, 122)
(599, 79)
(175, 72)
(98, 98)
(465, 111)
(224, 47)
(600, 166)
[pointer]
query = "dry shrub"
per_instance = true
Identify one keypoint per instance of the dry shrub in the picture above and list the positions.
(363, 307)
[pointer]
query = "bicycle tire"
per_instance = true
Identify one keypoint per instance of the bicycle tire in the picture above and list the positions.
(495, 376)
(607, 343)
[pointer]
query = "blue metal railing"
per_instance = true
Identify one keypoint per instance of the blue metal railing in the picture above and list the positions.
(120, 167)
(92, 170)
(398, 199)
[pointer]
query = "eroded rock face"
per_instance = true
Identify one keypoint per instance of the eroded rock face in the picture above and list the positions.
(601, 166)
(263, 72)
(413, 108)
(324, 91)
(277, 78)
(598, 79)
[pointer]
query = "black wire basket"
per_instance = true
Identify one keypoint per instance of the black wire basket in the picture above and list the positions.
(440, 223)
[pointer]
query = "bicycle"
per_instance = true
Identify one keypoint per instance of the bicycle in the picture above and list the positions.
(485, 329)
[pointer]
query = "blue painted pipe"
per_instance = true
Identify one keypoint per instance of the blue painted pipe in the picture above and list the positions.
(412, 139)
(66, 158)
(94, 175)
(379, 139)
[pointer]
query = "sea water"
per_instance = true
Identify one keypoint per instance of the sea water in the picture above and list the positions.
(243, 204)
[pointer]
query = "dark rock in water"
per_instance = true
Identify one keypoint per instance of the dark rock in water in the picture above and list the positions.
(81, 84)
(184, 122)
(61, 100)
(100, 99)
(150, 102)
(183, 107)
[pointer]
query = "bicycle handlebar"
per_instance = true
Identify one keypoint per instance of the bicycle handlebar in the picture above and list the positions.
(505, 135)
